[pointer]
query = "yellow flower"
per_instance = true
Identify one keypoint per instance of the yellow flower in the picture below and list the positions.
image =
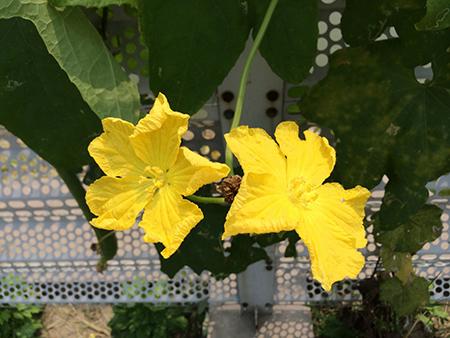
(146, 169)
(282, 190)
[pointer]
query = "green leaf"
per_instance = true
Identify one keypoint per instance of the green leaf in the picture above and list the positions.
(422, 147)
(398, 262)
(92, 3)
(422, 227)
(441, 68)
(203, 249)
(79, 50)
(405, 299)
(437, 16)
(363, 21)
(350, 100)
(425, 320)
(34, 97)
(381, 116)
(420, 47)
(192, 46)
(290, 42)
(20, 321)
(402, 198)
(265, 240)
(291, 249)
(385, 122)
(334, 327)
(39, 104)
(437, 310)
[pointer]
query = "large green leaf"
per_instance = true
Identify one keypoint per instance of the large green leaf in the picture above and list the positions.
(381, 115)
(441, 68)
(353, 100)
(386, 122)
(40, 105)
(290, 42)
(80, 52)
(402, 198)
(363, 21)
(405, 299)
(437, 16)
(420, 47)
(422, 227)
(192, 46)
(203, 248)
(92, 3)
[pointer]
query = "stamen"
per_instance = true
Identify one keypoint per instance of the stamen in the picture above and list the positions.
(301, 192)
(157, 175)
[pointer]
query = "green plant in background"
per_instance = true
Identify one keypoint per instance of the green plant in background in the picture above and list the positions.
(142, 288)
(20, 321)
(158, 321)
(378, 321)
(435, 318)
(18, 284)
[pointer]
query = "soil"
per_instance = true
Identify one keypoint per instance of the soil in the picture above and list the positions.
(76, 321)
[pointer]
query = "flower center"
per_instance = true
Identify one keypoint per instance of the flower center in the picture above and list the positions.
(156, 174)
(301, 192)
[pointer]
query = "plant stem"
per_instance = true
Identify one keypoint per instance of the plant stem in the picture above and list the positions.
(411, 328)
(77, 190)
(107, 242)
(207, 200)
(244, 77)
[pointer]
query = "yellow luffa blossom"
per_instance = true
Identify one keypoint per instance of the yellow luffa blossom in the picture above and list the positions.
(146, 169)
(282, 190)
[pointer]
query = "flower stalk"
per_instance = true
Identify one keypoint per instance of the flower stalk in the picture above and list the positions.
(244, 77)
(207, 200)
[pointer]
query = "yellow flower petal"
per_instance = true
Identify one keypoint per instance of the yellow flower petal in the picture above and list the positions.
(312, 159)
(256, 151)
(112, 150)
(159, 113)
(332, 230)
(191, 171)
(117, 201)
(168, 219)
(261, 206)
(157, 137)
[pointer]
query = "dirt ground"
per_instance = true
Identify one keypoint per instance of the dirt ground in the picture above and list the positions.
(80, 321)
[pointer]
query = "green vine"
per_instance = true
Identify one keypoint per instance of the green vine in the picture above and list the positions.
(106, 239)
(244, 77)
